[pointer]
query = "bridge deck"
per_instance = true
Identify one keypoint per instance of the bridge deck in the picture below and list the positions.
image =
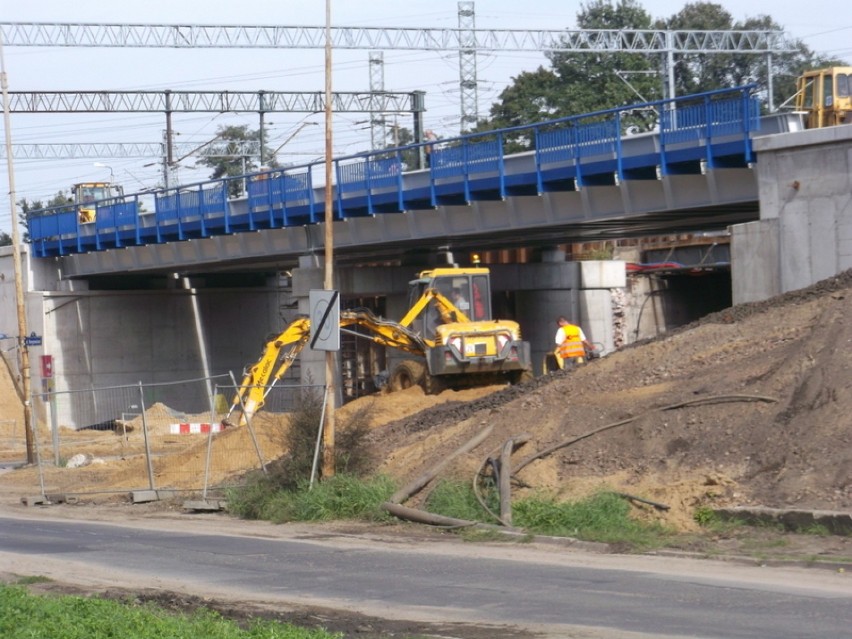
(692, 134)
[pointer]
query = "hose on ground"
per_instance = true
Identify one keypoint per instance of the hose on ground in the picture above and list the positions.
(517, 441)
(712, 399)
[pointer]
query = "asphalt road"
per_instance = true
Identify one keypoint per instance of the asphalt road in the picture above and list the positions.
(503, 584)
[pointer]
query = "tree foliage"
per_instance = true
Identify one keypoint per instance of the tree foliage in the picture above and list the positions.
(575, 83)
(225, 159)
(699, 72)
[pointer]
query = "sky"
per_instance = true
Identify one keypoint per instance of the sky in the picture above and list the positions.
(827, 31)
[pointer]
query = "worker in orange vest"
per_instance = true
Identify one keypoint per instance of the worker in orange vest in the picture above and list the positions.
(571, 343)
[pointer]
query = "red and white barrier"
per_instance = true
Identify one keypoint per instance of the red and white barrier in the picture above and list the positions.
(193, 429)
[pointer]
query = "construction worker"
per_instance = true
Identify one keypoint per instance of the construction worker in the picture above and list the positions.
(571, 343)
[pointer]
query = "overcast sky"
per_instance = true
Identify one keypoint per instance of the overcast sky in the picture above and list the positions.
(827, 30)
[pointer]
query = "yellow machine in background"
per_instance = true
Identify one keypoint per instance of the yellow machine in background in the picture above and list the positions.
(448, 330)
(86, 194)
(825, 97)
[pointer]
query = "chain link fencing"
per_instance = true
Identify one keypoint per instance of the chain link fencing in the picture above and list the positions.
(176, 436)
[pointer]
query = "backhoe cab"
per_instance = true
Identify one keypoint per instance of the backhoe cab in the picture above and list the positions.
(451, 309)
(448, 331)
(87, 194)
(824, 97)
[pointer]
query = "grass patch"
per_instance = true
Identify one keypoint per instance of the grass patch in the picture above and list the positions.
(604, 517)
(31, 579)
(456, 499)
(339, 497)
(68, 617)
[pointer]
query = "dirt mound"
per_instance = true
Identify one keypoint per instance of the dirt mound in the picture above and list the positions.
(777, 433)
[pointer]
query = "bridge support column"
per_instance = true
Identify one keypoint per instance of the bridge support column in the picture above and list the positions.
(805, 230)
(581, 291)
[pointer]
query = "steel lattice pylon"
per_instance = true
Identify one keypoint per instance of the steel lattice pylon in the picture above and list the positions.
(466, 39)
(468, 81)
(206, 101)
(77, 150)
(378, 132)
(48, 34)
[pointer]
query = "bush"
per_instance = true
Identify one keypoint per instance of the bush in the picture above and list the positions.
(339, 497)
(351, 455)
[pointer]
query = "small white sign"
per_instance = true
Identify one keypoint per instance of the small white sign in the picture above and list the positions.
(325, 320)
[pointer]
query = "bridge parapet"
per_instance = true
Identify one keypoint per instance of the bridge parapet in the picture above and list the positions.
(686, 135)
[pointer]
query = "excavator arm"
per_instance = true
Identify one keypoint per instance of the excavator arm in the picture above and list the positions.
(447, 310)
(383, 332)
(471, 346)
(278, 355)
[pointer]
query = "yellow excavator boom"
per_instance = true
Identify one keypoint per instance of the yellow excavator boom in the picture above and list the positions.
(444, 339)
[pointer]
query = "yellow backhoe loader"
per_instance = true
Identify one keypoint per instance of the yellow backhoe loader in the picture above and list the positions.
(453, 342)
(824, 96)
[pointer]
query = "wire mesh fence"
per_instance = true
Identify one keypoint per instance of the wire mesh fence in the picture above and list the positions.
(13, 442)
(123, 439)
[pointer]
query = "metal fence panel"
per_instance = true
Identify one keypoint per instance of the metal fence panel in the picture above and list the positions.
(115, 440)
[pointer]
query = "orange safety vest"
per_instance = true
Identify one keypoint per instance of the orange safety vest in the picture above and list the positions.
(572, 346)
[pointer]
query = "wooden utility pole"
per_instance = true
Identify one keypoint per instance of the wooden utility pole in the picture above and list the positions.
(330, 360)
(16, 254)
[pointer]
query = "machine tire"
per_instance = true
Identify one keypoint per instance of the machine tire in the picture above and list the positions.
(407, 373)
(433, 385)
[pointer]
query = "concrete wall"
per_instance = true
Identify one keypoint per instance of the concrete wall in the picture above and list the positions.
(805, 230)
(101, 339)
(755, 260)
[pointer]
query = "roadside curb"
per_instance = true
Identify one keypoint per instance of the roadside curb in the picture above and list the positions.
(833, 566)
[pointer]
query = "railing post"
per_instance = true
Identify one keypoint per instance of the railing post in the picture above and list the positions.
(501, 167)
(339, 193)
(708, 120)
(747, 106)
(400, 200)
(312, 213)
(368, 183)
(466, 164)
(539, 182)
(619, 164)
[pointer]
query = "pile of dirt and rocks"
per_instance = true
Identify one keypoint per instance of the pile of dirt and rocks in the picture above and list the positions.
(746, 407)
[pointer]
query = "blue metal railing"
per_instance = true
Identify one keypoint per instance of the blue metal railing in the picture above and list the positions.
(710, 129)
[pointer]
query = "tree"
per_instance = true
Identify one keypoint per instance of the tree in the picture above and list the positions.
(578, 83)
(401, 136)
(5, 239)
(699, 72)
(225, 159)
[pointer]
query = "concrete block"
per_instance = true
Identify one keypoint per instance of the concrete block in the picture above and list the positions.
(48, 499)
(35, 500)
(205, 505)
(754, 261)
(603, 274)
(145, 496)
